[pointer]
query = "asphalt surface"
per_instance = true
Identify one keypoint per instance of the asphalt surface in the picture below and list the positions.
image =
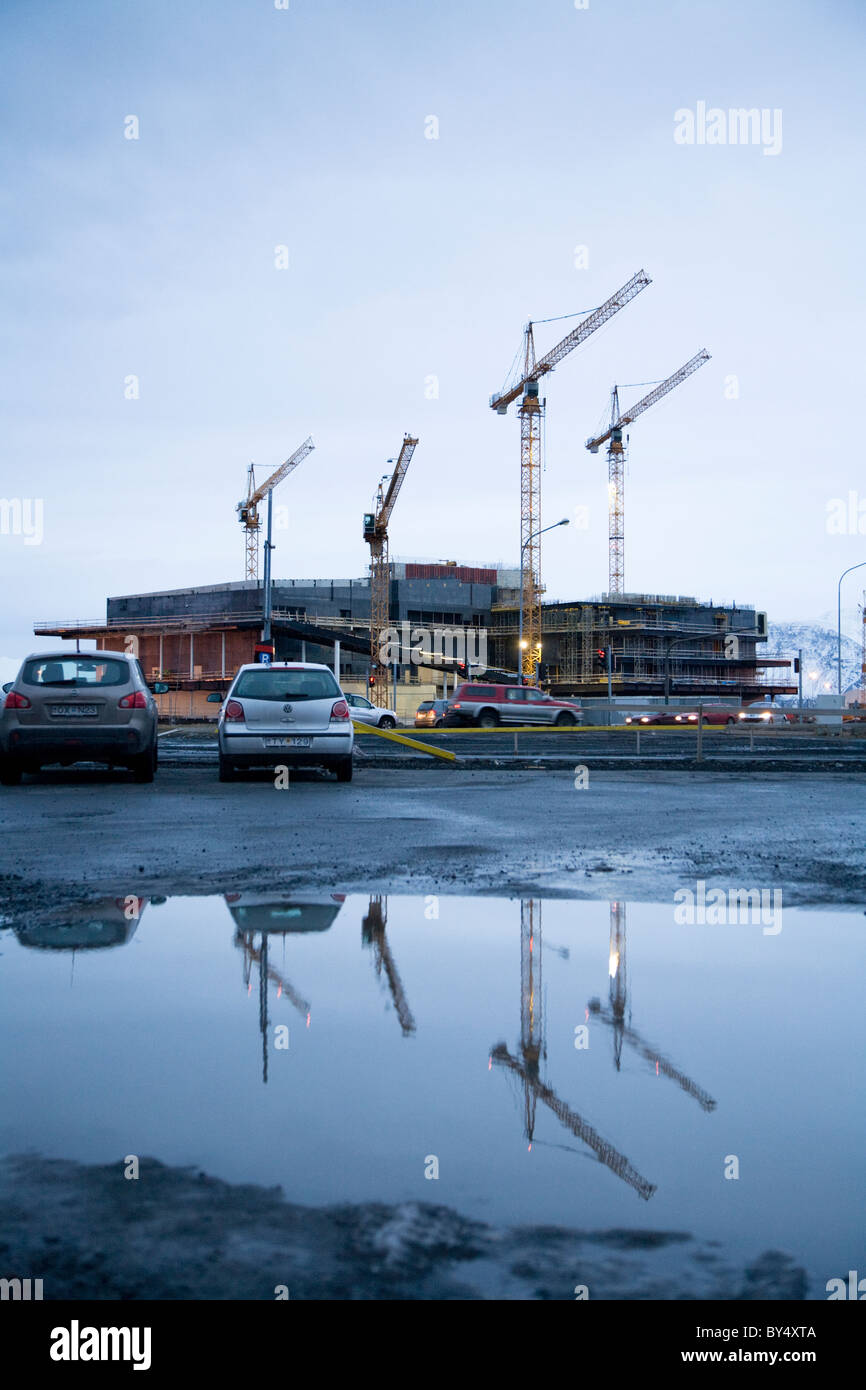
(72, 834)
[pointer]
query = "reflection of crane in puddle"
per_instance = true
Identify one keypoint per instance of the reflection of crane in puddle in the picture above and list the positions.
(258, 955)
(258, 917)
(615, 1016)
(373, 934)
(526, 1068)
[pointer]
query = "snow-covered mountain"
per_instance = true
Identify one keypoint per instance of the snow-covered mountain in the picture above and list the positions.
(819, 654)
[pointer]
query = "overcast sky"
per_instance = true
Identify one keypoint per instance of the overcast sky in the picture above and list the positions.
(411, 258)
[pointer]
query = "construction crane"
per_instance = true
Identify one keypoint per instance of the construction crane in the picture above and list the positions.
(526, 1067)
(617, 975)
(259, 956)
(604, 1152)
(376, 535)
(373, 934)
(616, 463)
(615, 1015)
(248, 509)
(531, 411)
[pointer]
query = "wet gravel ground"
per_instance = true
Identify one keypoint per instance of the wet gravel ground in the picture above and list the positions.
(74, 834)
(175, 1233)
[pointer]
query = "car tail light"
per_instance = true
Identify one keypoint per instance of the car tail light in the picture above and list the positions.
(340, 710)
(16, 701)
(457, 706)
(234, 710)
(137, 700)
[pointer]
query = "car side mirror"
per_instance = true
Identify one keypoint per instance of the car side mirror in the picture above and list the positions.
(159, 688)
(7, 687)
(214, 698)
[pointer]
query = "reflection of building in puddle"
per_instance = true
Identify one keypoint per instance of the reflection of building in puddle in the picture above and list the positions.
(87, 926)
(373, 934)
(257, 918)
(526, 1068)
(615, 1015)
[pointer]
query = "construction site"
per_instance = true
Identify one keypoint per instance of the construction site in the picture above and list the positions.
(618, 643)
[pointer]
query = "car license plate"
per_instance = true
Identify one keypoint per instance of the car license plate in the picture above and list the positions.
(288, 743)
(73, 710)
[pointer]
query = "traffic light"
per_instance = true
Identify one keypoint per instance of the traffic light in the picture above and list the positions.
(796, 666)
(372, 682)
(601, 654)
(543, 671)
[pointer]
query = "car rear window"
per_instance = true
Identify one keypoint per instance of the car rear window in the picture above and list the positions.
(75, 671)
(425, 704)
(286, 685)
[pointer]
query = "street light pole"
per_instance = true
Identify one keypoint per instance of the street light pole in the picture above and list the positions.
(528, 541)
(839, 623)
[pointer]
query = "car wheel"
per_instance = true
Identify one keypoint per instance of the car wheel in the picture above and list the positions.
(144, 766)
(488, 720)
(387, 722)
(730, 721)
(10, 773)
(344, 770)
(227, 772)
(565, 720)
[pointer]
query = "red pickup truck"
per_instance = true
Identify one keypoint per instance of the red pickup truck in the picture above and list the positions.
(487, 706)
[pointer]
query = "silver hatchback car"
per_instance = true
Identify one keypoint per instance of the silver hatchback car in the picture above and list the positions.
(71, 707)
(292, 715)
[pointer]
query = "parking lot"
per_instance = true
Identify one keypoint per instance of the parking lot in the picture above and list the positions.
(76, 832)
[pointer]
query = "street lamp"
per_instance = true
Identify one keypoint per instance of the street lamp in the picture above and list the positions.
(839, 623)
(521, 645)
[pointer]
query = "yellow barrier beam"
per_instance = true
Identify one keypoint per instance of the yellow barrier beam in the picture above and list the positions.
(361, 728)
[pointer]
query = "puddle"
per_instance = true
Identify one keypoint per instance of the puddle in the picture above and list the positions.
(582, 1064)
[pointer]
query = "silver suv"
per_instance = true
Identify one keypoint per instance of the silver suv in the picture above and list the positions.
(292, 715)
(71, 707)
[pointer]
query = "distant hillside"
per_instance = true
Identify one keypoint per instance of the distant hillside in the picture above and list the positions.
(819, 654)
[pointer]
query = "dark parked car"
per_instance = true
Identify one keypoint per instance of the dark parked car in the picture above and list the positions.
(430, 713)
(71, 707)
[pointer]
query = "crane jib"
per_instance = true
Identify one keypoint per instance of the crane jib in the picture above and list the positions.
(578, 335)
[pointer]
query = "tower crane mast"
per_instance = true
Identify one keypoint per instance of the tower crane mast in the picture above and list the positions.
(531, 412)
(373, 933)
(376, 536)
(616, 462)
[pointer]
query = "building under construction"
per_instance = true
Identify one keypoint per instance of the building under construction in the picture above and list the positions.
(196, 638)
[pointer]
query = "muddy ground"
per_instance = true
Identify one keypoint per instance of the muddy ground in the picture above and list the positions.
(175, 1233)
